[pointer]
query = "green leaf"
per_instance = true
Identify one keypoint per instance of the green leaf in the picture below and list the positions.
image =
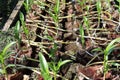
(17, 29)
(22, 17)
(52, 66)
(1, 59)
(99, 6)
(7, 55)
(116, 64)
(6, 48)
(44, 67)
(10, 65)
(50, 38)
(1, 71)
(81, 2)
(82, 35)
(56, 8)
(86, 22)
(61, 63)
(111, 46)
(25, 29)
(107, 51)
(17, 32)
(43, 64)
(97, 49)
(118, 1)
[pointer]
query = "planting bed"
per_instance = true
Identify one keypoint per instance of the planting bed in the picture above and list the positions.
(76, 30)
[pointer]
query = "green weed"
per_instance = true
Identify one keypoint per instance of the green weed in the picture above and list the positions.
(118, 6)
(82, 3)
(44, 68)
(111, 46)
(55, 13)
(17, 33)
(22, 19)
(25, 29)
(99, 10)
(55, 66)
(81, 31)
(27, 4)
(4, 54)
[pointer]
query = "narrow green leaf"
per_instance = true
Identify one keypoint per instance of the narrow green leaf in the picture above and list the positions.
(43, 63)
(7, 47)
(99, 6)
(1, 71)
(61, 63)
(107, 51)
(118, 1)
(56, 8)
(10, 65)
(7, 55)
(86, 22)
(82, 35)
(111, 46)
(97, 49)
(17, 29)
(1, 59)
(22, 17)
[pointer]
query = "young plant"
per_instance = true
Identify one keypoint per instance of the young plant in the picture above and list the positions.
(99, 9)
(55, 14)
(17, 33)
(22, 19)
(25, 29)
(81, 31)
(111, 46)
(82, 3)
(4, 54)
(86, 23)
(27, 5)
(56, 11)
(44, 68)
(55, 66)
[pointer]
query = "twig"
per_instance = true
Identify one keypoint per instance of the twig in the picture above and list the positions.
(101, 62)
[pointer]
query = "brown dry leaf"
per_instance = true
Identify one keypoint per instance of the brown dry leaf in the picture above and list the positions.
(93, 72)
